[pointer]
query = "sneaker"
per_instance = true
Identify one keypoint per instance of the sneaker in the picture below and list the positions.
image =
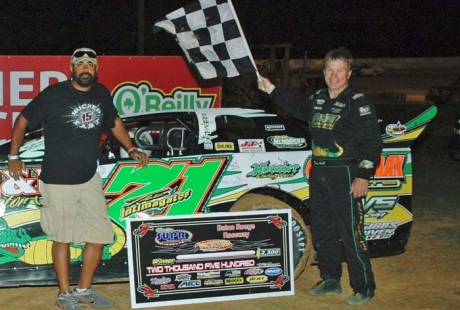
(92, 298)
(67, 301)
(325, 287)
(357, 299)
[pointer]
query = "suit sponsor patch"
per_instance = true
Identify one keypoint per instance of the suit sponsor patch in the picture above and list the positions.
(358, 95)
(365, 110)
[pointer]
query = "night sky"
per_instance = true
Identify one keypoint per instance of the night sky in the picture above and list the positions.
(385, 28)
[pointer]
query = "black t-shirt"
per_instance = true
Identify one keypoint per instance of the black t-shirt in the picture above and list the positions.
(72, 122)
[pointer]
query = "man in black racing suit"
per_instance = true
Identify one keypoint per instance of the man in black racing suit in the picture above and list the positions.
(346, 146)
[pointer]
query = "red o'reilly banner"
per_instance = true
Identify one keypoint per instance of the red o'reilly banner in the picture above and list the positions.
(139, 84)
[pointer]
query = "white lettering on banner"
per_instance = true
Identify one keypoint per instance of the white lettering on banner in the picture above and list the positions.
(17, 87)
(201, 266)
(47, 76)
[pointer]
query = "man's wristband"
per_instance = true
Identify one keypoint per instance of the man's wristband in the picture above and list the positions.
(131, 150)
(270, 89)
(13, 156)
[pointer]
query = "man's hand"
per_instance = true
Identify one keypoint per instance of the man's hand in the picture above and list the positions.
(16, 166)
(359, 187)
(141, 157)
(265, 85)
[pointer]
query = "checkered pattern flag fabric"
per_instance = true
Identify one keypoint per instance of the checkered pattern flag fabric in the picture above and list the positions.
(209, 33)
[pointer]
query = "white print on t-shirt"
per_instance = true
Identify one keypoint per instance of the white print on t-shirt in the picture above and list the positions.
(86, 116)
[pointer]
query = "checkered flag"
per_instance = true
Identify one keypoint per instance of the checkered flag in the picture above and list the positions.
(209, 33)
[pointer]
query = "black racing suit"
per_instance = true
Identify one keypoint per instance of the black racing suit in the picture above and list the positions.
(346, 144)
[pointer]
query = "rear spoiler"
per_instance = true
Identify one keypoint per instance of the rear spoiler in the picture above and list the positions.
(402, 129)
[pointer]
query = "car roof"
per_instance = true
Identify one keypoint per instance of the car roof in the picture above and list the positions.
(211, 112)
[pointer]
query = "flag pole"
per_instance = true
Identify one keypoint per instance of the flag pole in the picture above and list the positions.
(243, 37)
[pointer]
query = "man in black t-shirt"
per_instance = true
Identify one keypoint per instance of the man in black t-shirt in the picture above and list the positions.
(73, 209)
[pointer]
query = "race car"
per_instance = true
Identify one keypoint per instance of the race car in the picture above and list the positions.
(204, 161)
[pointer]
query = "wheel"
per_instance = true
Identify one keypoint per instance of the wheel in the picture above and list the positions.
(302, 240)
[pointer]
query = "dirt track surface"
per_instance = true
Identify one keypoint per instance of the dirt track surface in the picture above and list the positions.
(426, 276)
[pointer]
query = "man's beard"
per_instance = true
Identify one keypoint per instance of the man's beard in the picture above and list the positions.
(86, 80)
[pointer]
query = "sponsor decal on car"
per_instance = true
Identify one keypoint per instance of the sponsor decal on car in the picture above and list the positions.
(286, 142)
(20, 194)
(380, 203)
(178, 176)
(224, 146)
(267, 170)
(390, 166)
(207, 132)
(395, 130)
(155, 202)
(381, 230)
(251, 145)
(278, 127)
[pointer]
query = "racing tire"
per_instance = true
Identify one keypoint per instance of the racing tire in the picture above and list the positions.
(302, 239)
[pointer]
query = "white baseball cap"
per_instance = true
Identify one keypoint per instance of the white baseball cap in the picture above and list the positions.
(84, 53)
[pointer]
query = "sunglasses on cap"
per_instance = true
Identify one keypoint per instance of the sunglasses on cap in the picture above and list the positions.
(82, 53)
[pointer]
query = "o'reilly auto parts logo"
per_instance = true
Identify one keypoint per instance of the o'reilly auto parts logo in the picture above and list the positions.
(137, 98)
